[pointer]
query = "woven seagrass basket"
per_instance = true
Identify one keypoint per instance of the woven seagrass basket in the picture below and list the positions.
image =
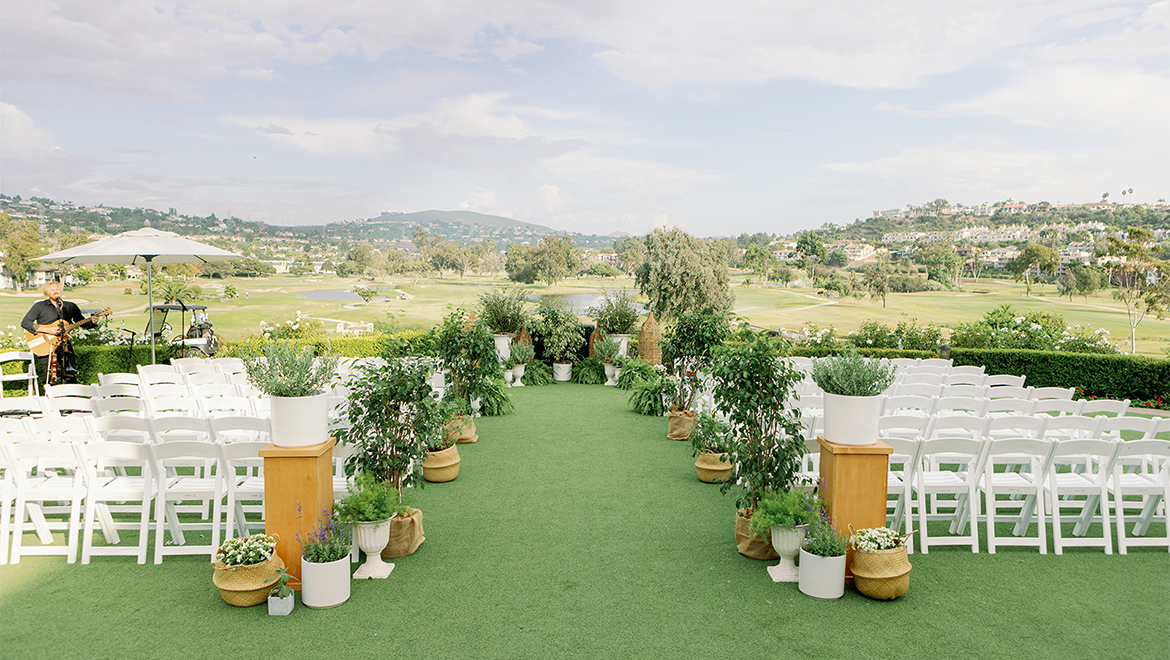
(594, 337)
(245, 586)
(649, 348)
(881, 574)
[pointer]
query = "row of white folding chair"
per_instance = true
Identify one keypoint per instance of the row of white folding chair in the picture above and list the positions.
(1000, 392)
(931, 405)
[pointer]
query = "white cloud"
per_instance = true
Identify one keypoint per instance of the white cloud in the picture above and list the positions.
(20, 135)
(481, 201)
(353, 136)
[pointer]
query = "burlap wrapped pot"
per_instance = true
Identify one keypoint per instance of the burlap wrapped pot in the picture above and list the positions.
(750, 545)
(406, 535)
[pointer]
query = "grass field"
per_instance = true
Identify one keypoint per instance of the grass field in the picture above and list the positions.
(275, 299)
(575, 529)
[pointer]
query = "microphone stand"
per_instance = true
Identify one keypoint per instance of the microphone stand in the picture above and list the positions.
(130, 353)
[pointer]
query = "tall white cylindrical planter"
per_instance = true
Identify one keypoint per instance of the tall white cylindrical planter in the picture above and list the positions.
(325, 585)
(786, 542)
(562, 372)
(852, 420)
(372, 538)
(623, 343)
(822, 578)
(300, 421)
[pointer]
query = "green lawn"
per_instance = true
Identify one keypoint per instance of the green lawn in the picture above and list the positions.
(575, 529)
(275, 300)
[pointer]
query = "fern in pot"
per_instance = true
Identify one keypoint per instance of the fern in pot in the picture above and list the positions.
(853, 388)
(522, 354)
(297, 381)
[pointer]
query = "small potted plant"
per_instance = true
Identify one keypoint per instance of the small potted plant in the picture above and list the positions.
(506, 314)
(442, 454)
(607, 352)
(853, 387)
(617, 318)
(557, 325)
(880, 567)
(509, 367)
(325, 563)
(709, 444)
(244, 569)
(522, 354)
(281, 599)
(783, 517)
(369, 507)
(295, 379)
(822, 557)
(687, 346)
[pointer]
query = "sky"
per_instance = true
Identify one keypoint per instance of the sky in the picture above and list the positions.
(595, 116)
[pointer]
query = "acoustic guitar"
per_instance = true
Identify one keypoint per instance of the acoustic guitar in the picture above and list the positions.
(43, 342)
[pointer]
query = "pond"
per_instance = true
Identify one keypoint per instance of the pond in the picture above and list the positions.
(582, 301)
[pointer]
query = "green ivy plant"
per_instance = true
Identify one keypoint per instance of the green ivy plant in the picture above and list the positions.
(849, 374)
(751, 386)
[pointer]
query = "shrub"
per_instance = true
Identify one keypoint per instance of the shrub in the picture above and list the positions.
(289, 370)
(537, 373)
(634, 371)
(505, 312)
(648, 396)
(783, 508)
(710, 434)
(1002, 327)
(590, 371)
(852, 375)
(615, 314)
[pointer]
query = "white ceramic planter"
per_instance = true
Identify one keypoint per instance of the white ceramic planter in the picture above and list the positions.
(623, 343)
(852, 420)
(610, 375)
(372, 538)
(299, 421)
(562, 372)
(281, 606)
(503, 346)
(509, 374)
(517, 374)
(325, 585)
(787, 543)
(822, 578)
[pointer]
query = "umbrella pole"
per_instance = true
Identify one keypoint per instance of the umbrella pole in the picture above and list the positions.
(149, 304)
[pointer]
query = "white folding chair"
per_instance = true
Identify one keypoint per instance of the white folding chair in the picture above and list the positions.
(949, 466)
(71, 428)
(1129, 428)
(1041, 393)
(973, 391)
(22, 406)
(103, 490)
(212, 390)
(909, 404)
(1016, 426)
(1081, 468)
(178, 477)
(1009, 392)
(1056, 407)
(27, 373)
(167, 390)
(969, 374)
(918, 389)
(1073, 427)
(41, 493)
(107, 406)
(1008, 407)
(903, 464)
(906, 427)
(171, 406)
(152, 376)
(120, 378)
(180, 427)
(228, 365)
(1111, 407)
(243, 472)
(120, 428)
(207, 378)
(241, 428)
(226, 406)
(193, 365)
(1004, 380)
(904, 364)
(1147, 488)
(67, 399)
(117, 390)
(1002, 475)
(917, 378)
(935, 363)
(960, 405)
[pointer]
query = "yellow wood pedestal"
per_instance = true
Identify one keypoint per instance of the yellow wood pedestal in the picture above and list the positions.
(855, 486)
(298, 486)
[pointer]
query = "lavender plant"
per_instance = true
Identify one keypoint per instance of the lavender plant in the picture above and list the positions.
(328, 541)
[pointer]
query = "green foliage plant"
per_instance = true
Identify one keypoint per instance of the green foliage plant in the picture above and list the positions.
(290, 370)
(281, 577)
(785, 508)
(246, 550)
(505, 312)
(616, 314)
(1003, 327)
(751, 385)
(557, 325)
(649, 396)
(537, 373)
(523, 353)
(634, 371)
(852, 375)
(687, 345)
(710, 435)
(369, 500)
(590, 371)
(328, 541)
(681, 273)
(493, 397)
(607, 350)
(872, 539)
(468, 350)
(394, 415)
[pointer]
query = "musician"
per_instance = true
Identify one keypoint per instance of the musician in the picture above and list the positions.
(49, 312)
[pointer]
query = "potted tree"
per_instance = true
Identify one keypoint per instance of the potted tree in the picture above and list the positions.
(617, 318)
(710, 444)
(822, 558)
(325, 563)
(295, 379)
(686, 348)
(442, 462)
(506, 314)
(466, 349)
(369, 507)
(751, 385)
(853, 387)
(783, 517)
(522, 354)
(393, 415)
(607, 352)
(557, 325)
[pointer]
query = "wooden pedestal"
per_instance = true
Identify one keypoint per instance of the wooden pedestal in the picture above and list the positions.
(855, 486)
(298, 486)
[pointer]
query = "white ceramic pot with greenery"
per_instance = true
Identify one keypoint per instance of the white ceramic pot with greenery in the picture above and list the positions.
(607, 352)
(822, 559)
(506, 314)
(853, 387)
(282, 599)
(295, 380)
(558, 326)
(522, 354)
(617, 317)
(783, 517)
(325, 576)
(369, 507)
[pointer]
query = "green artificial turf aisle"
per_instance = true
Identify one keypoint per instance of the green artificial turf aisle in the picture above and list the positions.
(575, 529)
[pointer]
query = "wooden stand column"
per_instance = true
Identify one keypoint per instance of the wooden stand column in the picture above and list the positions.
(296, 477)
(855, 486)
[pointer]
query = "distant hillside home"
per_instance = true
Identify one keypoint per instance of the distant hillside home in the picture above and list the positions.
(1016, 207)
(858, 251)
(35, 280)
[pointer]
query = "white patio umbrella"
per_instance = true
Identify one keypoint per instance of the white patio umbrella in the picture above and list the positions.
(142, 246)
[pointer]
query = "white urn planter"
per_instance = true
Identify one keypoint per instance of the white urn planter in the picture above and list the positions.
(372, 538)
(852, 420)
(562, 372)
(822, 578)
(517, 374)
(503, 345)
(610, 375)
(509, 375)
(787, 543)
(623, 343)
(324, 585)
(300, 421)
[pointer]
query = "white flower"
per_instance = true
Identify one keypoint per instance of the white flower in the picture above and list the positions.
(1019, 319)
(1035, 326)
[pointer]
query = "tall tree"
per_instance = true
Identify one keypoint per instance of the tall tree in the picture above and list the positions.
(1141, 282)
(759, 258)
(812, 249)
(877, 282)
(1042, 257)
(20, 241)
(683, 274)
(517, 264)
(553, 259)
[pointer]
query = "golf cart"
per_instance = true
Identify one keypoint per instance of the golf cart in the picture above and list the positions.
(198, 336)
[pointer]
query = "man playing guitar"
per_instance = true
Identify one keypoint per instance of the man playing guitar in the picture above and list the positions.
(49, 317)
